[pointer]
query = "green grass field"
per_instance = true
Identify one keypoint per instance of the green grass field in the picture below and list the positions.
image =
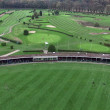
(62, 86)
(63, 23)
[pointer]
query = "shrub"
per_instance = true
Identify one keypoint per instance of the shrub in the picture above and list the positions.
(26, 32)
(11, 47)
(90, 40)
(56, 12)
(109, 29)
(100, 43)
(24, 23)
(51, 48)
(3, 44)
(1, 21)
(33, 17)
(96, 25)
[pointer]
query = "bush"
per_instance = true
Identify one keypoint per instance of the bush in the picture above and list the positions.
(11, 47)
(51, 48)
(1, 21)
(24, 23)
(56, 12)
(33, 17)
(26, 32)
(90, 40)
(109, 29)
(96, 25)
(3, 44)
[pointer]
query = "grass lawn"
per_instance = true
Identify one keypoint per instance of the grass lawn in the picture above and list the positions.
(55, 86)
(94, 47)
(43, 37)
(106, 37)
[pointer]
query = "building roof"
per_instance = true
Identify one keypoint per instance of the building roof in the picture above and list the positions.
(62, 54)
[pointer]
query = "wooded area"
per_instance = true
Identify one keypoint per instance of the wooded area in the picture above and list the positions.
(92, 6)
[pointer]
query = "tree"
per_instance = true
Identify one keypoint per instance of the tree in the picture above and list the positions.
(56, 12)
(26, 32)
(51, 48)
(40, 13)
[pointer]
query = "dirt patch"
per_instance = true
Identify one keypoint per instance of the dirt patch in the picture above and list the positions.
(17, 39)
(2, 15)
(51, 26)
(9, 12)
(100, 33)
(90, 24)
(32, 32)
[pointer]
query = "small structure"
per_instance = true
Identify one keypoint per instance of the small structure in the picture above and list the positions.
(45, 51)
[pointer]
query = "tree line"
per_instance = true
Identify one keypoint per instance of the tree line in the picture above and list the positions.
(90, 6)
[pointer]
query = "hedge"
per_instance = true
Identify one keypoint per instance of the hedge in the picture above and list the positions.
(14, 41)
(33, 51)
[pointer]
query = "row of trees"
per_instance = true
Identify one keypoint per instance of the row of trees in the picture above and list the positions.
(92, 6)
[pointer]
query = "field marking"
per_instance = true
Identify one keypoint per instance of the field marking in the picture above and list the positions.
(10, 53)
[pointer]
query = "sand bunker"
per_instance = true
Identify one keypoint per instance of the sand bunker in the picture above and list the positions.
(50, 26)
(32, 32)
(99, 33)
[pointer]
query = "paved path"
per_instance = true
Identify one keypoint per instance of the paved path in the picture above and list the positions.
(10, 53)
(10, 30)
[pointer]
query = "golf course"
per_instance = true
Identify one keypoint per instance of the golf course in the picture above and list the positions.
(73, 76)
(67, 31)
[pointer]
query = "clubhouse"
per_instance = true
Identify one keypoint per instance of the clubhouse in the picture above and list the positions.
(57, 57)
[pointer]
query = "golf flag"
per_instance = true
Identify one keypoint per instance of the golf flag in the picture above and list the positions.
(46, 43)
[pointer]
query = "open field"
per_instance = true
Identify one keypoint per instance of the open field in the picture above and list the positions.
(62, 86)
(85, 37)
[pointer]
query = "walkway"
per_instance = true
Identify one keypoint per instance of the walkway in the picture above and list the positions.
(6, 55)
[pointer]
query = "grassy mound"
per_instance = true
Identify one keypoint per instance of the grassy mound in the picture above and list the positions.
(57, 86)
(43, 37)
